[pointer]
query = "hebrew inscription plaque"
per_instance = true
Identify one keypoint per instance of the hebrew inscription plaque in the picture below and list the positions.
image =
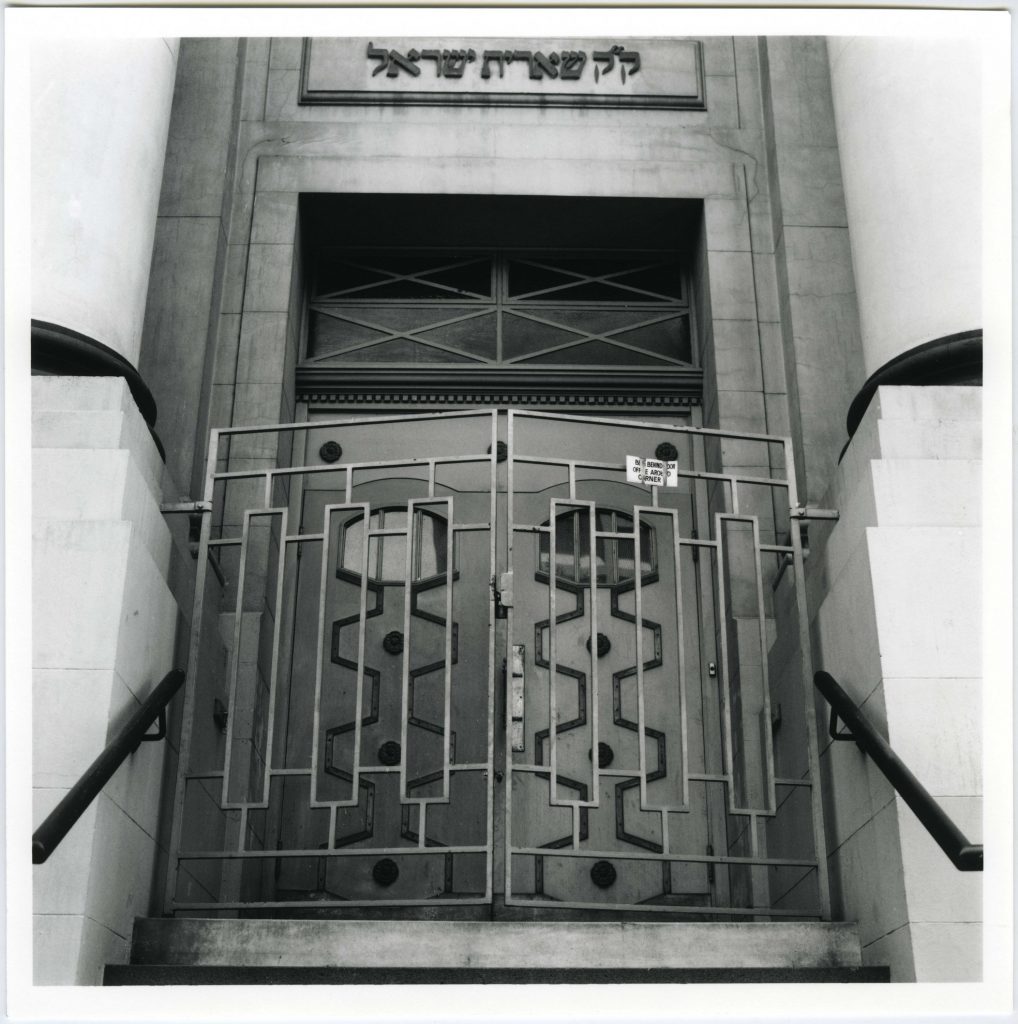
(666, 73)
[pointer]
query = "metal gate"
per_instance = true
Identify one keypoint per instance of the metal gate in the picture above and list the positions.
(662, 740)
(459, 659)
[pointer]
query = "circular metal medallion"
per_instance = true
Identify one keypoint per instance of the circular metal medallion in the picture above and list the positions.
(666, 452)
(389, 753)
(501, 451)
(392, 643)
(603, 874)
(604, 645)
(385, 871)
(605, 755)
(330, 451)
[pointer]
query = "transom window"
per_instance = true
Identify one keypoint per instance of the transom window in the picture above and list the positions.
(625, 308)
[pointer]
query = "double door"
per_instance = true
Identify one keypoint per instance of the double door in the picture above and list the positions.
(486, 669)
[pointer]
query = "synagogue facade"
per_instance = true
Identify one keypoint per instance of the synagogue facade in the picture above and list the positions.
(500, 433)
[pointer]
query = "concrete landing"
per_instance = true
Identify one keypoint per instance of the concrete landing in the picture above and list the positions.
(485, 945)
(141, 974)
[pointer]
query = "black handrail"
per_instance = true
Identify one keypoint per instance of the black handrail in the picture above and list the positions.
(60, 820)
(964, 855)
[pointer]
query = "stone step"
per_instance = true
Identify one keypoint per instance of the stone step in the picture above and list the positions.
(163, 974)
(500, 945)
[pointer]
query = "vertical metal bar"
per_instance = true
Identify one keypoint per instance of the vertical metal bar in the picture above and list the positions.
(450, 533)
(319, 654)
(595, 761)
(734, 484)
(765, 674)
(404, 713)
(191, 683)
(362, 628)
(705, 624)
(809, 705)
(641, 735)
(572, 479)
(277, 622)
(680, 626)
(431, 480)
(235, 658)
(510, 626)
(490, 771)
(348, 496)
(327, 560)
(726, 695)
(552, 578)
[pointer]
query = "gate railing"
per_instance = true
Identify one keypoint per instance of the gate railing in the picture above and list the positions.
(773, 838)
(238, 779)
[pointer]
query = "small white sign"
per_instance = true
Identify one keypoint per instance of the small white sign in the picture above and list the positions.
(651, 472)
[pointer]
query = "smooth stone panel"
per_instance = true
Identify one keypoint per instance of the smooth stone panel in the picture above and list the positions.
(936, 889)
(56, 939)
(200, 134)
(269, 271)
(737, 355)
(959, 402)
(948, 952)
(937, 636)
(60, 885)
(928, 492)
(733, 295)
(67, 734)
(935, 726)
(93, 412)
(78, 570)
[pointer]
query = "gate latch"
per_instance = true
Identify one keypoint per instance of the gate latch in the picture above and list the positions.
(503, 588)
(805, 512)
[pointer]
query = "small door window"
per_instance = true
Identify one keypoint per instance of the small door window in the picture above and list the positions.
(387, 554)
(614, 557)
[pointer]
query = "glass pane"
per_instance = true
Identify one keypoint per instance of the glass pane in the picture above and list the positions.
(475, 336)
(404, 352)
(333, 332)
(521, 336)
(614, 558)
(432, 546)
(597, 353)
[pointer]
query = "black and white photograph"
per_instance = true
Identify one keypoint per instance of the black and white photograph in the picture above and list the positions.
(518, 530)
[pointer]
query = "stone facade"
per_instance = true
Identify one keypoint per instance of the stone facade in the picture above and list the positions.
(769, 181)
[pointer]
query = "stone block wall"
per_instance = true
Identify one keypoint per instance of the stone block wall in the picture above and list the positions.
(895, 595)
(103, 634)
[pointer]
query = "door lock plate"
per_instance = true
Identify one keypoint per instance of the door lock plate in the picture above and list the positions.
(517, 685)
